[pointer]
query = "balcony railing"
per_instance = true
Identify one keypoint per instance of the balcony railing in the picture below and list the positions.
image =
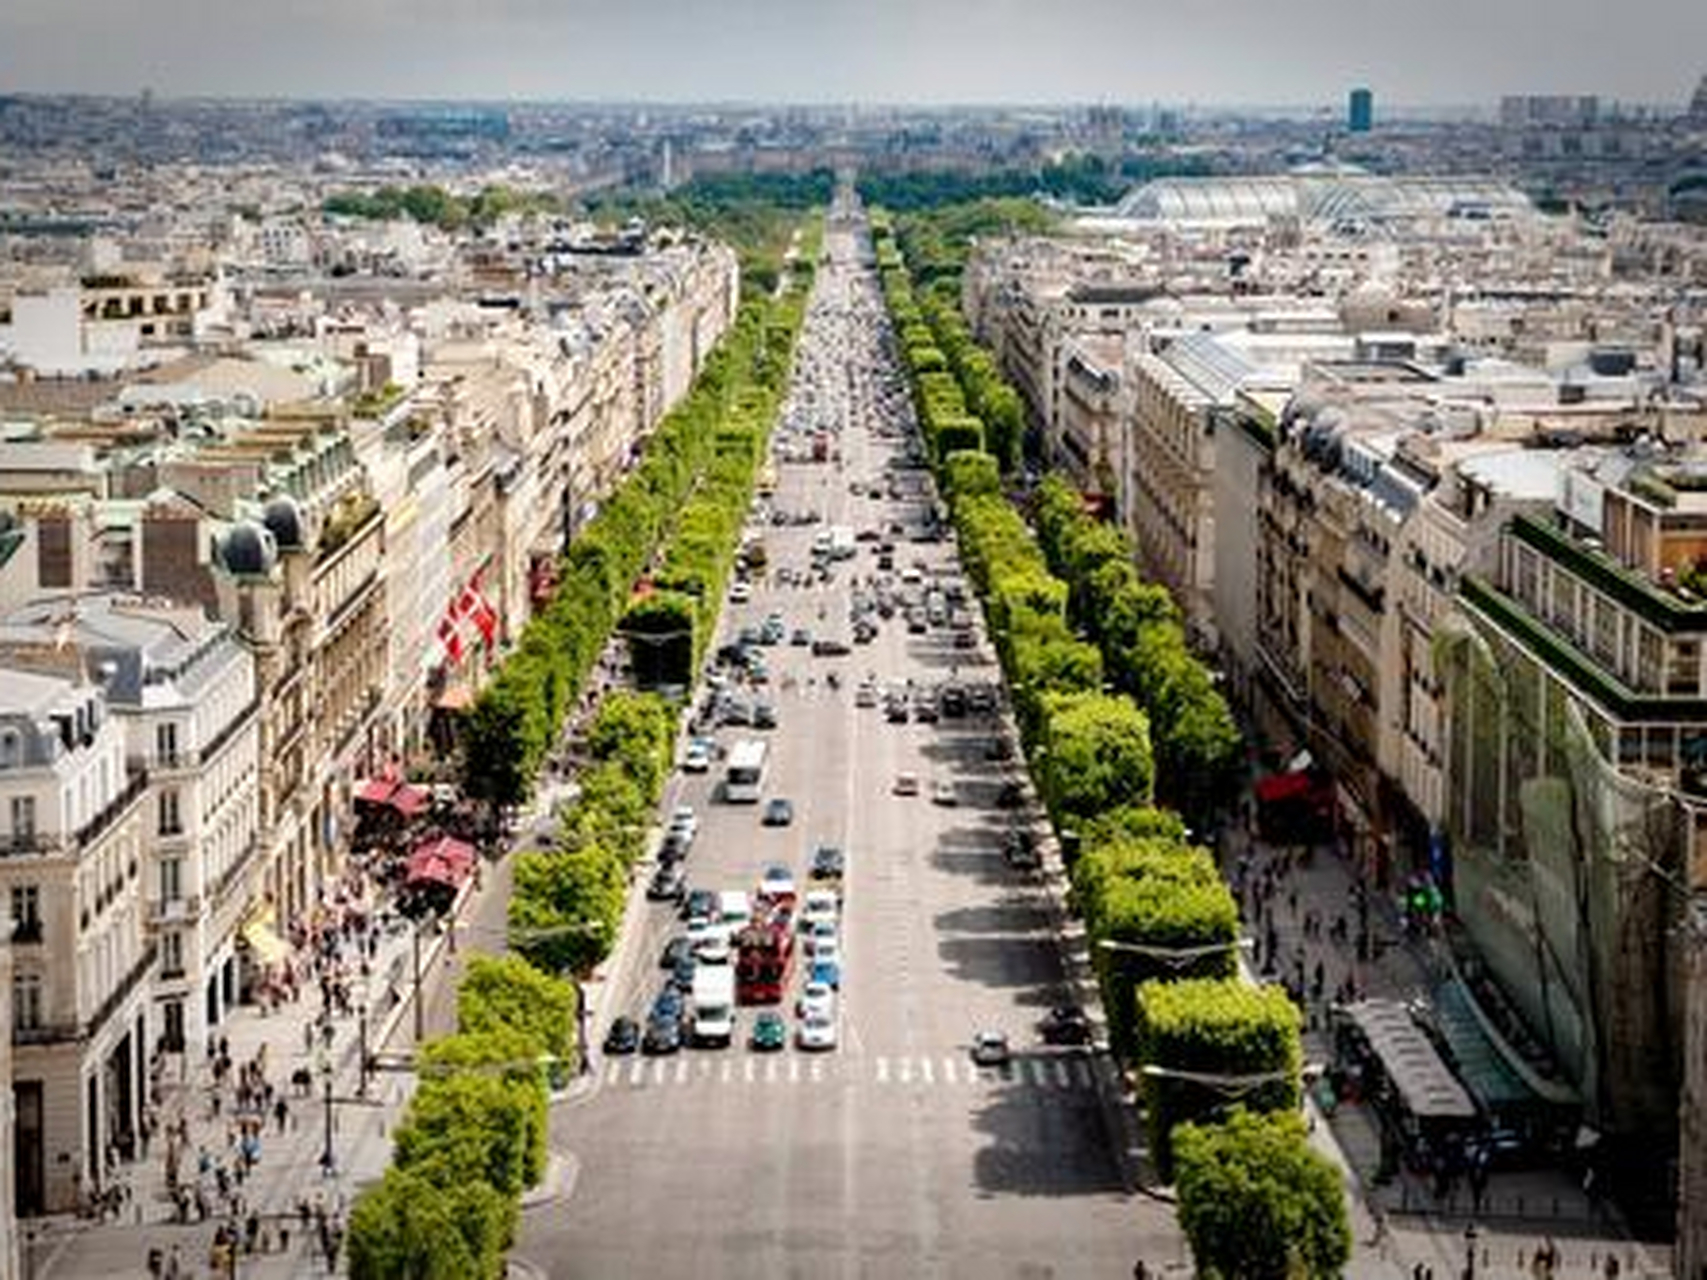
(173, 910)
(98, 826)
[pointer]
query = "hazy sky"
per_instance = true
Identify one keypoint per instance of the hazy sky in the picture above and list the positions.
(1134, 51)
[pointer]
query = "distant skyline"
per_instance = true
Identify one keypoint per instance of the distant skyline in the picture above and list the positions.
(930, 52)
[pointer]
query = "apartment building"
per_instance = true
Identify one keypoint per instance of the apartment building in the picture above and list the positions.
(76, 833)
(103, 322)
(9, 1251)
(1576, 760)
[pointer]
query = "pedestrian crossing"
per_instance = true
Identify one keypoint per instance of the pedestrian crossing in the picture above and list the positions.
(1054, 1073)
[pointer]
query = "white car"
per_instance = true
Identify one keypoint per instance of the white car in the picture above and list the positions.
(943, 793)
(817, 1031)
(817, 998)
(819, 904)
(714, 947)
(776, 884)
(817, 935)
(704, 933)
(684, 821)
(740, 593)
(697, 758)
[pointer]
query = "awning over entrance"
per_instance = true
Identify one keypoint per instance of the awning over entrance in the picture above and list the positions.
(445, 861)
(264, 942)
(1425, 1083)
(390, 794)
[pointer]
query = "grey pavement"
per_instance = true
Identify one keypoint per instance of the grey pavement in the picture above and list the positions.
(289, 1171)
(1523, 1209)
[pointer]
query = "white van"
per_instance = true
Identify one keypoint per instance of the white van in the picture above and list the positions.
(734, 909)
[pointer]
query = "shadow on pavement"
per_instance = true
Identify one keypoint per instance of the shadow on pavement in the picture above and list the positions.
(1043, 1143)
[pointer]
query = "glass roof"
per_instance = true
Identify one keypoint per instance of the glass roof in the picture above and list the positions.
(1317, 198)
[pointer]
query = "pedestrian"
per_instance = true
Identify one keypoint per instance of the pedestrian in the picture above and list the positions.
(281, 1113)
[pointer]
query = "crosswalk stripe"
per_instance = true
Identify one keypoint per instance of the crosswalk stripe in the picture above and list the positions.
(1062, 1076)
(770, 1070)
(925, 1069)
(613, 1072)
(794, 1071)
(817, 1068)
(1082, 1072)
(705, 1069)
(749, 1071)
(728, 1070)
(1037, 1076)
(658, 1072)
(883, 1071)
(681, 1071)
(906, 1070)
(636, 1071)
(948, 1070)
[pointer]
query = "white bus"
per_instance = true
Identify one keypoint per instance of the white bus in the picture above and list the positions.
(745, 777)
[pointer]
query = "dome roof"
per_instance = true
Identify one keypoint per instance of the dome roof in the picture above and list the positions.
(248, 550)
(283, 519)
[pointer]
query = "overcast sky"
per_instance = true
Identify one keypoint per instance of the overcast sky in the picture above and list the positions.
(1460, 52)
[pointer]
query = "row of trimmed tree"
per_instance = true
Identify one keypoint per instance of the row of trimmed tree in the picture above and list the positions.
(474, 1137)
(1115, 711)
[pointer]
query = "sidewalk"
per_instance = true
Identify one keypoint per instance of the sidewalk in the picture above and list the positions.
(1522, 1209)
(288, 1173)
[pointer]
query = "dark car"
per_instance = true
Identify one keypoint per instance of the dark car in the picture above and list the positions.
(826, 862)
(1011, 796)
(681, 973)
(674, 950)
(668, 884)
(1065, 1024)
(662, 1037)
(770, 1032)
(953, 700)
(700, 904)
(764, 715)
(667, 1005)
(623, 1037)
(778, 812)
(829, 647)
(999, 748)
(675, 847)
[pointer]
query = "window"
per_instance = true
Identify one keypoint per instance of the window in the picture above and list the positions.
(1685, 675)
(171, 879)
(26, 913)
(24, 818)
(11, 751)
(166, 743)
(26, 1002)
(171, 954)
(171, 820)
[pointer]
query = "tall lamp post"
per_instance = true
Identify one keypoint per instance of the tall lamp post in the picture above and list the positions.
(328, 1158)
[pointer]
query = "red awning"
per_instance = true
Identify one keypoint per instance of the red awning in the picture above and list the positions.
(376, 791)
(445, 861)
(408, 800)
(1280, 787)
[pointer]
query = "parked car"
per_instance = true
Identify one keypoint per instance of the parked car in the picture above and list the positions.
(662, 1037)
(944, 793)
(817, 1032)
(764, 715)
(825, 647)
(697, 757)
(906, 784)
(778, 812)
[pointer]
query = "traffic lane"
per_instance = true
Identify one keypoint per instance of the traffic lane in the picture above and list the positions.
(856, 1176)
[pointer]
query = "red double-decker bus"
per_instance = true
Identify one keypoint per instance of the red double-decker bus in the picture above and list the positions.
(764, 959)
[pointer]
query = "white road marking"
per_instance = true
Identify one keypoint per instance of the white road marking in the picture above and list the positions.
(770, 1071)
(728, 1070)
(794, 1071)
(636, 1072)
(1082, 1072)
(682, 1071)
(817, 1068)
(948, 1070)
(1037, 1076)
(749, 1066)
(906, 1070)
(658, 1072)
(1062, 1076)
(925, 1070)
(613, 1072)
(705, 1069)
(883, 1071)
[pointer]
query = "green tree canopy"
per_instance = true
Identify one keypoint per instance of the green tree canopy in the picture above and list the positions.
(1257, 1202)
(407, 1227)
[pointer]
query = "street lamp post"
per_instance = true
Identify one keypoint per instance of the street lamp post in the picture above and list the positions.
(328, 1159)
(1470, 1252)
(420, 1010)
(361, 1047)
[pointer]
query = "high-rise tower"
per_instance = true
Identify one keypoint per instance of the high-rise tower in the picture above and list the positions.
(1360, 111)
